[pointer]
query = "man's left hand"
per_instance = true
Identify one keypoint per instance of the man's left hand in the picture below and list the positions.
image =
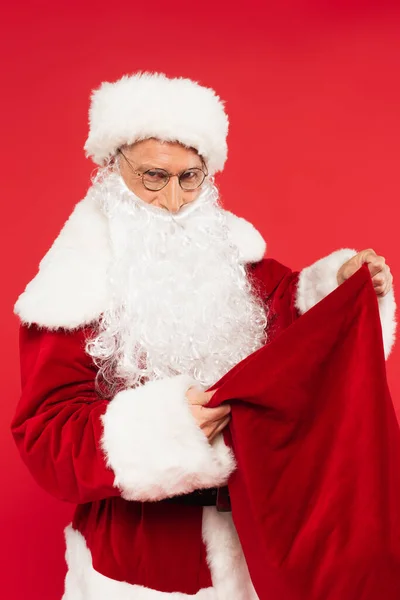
(380, 271)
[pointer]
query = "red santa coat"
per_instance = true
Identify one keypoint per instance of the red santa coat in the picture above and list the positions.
(118, 458)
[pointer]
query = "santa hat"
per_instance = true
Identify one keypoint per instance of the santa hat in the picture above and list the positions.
(145, 105)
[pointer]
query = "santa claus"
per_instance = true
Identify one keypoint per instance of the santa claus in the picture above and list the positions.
(151, 293)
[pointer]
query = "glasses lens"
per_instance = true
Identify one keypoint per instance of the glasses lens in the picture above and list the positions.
(155, 179)
(191, 179)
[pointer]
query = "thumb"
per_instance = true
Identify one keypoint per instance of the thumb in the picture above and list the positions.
(369, 257)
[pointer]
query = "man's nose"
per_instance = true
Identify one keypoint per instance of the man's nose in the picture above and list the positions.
(172, 195)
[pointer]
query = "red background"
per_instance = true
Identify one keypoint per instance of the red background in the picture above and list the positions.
(313, 94)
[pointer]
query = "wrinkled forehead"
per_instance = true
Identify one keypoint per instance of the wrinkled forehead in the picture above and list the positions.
(159, 153)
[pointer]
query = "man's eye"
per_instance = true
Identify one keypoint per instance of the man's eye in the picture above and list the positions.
(187, 175)
(154, 174)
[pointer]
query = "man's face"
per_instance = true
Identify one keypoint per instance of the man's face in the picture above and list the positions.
(154, 154)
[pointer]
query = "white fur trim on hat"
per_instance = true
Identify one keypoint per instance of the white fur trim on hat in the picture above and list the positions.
(146, 105)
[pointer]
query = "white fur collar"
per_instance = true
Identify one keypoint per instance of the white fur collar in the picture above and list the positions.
(70, 289)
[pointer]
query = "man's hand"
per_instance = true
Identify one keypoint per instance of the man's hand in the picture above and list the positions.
(380, 271)
(210, 420)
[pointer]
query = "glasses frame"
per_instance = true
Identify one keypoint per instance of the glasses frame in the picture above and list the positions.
(169, 175)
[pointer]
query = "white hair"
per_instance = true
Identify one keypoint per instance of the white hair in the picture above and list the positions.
(181, 300)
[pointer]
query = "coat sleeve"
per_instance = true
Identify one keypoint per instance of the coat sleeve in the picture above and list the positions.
(319, 279)
(142, 444)
(276, 284)
(290, 294)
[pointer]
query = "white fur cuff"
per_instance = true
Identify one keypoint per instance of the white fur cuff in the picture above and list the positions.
(155, 447)
(319, 279)
(387, 311)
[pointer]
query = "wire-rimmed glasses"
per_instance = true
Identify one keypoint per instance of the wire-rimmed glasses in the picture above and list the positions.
(156, 179)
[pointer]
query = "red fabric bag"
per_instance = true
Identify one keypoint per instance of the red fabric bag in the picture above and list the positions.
(316, 496)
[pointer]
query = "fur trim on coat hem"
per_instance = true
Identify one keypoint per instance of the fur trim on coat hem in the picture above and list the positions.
(82, 582)
(231, 580)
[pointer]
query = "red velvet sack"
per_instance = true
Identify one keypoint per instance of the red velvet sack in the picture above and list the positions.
(316, 496)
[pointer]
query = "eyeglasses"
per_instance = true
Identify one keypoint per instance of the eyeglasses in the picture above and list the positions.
(156, 179)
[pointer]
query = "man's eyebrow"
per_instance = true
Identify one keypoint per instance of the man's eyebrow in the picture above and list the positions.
(146, 165)
(143, 166)
(149, 165)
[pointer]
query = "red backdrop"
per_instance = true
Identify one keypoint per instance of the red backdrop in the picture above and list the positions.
(313, 94)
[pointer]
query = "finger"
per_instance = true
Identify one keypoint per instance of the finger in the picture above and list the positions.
(367, 255)
(380, 293)
(386, 288)
(380, 279)
(216, 414)
(381, 290)
(193, 392)
(390, 280)
(202, 397)
(376, 264)
(221, 426)
(221, 412)
(196, 395)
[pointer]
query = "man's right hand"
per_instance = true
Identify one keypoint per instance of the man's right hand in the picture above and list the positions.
(210, 420)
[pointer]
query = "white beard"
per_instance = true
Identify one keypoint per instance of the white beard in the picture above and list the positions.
(181, 299)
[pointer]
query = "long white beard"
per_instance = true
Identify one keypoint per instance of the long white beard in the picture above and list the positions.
(181, 299)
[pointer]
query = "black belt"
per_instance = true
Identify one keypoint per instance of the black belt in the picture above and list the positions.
(218, 497)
